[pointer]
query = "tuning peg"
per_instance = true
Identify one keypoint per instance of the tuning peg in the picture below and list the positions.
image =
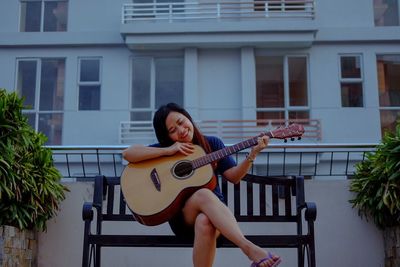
(299, 138)
(292, 139)
(284, 140)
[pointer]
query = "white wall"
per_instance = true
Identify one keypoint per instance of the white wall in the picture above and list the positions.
(342, 237)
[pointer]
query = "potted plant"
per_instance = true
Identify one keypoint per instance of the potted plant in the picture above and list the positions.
(376, 185)
(30, 188)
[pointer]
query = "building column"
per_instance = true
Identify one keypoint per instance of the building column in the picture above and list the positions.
(191, 90)
(248, 69)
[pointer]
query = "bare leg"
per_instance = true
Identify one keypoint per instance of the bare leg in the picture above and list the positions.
(205, 201)
(205, 242)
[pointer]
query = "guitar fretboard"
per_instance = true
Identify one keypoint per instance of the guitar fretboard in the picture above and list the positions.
(227, 151)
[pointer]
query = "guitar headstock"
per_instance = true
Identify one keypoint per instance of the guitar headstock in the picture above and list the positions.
(290, 131)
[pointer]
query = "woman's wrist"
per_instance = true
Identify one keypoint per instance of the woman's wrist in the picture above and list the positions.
(250, 157)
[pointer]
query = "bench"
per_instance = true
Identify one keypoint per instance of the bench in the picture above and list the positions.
(255, 199)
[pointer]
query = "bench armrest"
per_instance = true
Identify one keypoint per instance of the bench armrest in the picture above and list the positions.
(310, 213)
(87, 211)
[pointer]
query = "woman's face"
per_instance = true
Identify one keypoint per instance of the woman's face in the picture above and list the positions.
(180, 128)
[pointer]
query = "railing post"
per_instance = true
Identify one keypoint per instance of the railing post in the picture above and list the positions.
(266, 9)
(218, 10)
(123, 14)
(170, 12)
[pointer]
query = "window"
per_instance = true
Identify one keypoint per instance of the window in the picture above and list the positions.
(41, 83)
(89, 84)
(386, 12)
(351, 82)
(155, 81)
(43, 15)
(389, 90)
(282, 87)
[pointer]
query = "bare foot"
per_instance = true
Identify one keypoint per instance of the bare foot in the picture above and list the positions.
(262, 258)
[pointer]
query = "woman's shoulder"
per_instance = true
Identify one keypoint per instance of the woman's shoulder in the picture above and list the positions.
(214, 141)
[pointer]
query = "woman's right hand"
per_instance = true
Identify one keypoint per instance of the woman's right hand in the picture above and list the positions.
(184, 148)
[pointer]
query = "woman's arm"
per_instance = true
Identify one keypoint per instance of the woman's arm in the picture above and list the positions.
(137, 153)
(235, 174)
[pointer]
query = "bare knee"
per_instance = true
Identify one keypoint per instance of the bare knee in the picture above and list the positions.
(204, 227)
(203, 196)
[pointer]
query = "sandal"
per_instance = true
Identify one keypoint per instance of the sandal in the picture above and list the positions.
(270, 256)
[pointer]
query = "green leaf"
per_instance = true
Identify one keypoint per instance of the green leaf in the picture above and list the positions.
(30, 188)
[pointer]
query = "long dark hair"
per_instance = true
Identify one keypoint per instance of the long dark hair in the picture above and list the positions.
(162, 132)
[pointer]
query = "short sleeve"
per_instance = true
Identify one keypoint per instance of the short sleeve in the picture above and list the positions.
(224, 163)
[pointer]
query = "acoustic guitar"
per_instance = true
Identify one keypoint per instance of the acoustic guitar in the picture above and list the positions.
(156, 189)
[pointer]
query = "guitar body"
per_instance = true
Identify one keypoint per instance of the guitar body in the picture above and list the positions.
(156, 189)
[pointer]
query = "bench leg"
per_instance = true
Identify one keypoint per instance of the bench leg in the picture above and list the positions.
(300, 255)
(86, 246)
(85, 256)
(311, 258)
(97, 257)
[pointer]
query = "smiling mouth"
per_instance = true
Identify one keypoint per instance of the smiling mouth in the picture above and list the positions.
(185, 135)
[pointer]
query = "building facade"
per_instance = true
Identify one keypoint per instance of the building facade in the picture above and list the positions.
(84, 67)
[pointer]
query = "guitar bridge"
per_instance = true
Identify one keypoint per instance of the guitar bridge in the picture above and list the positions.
(155, 179)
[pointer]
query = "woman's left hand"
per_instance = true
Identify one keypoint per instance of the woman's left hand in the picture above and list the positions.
(262, 143)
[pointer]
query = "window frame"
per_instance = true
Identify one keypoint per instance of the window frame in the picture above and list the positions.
(152, 108)
(287, 108)
(376, 8)
(89, 83)
(351, 80)
(42, 12)
(35, 110)
(384, 108)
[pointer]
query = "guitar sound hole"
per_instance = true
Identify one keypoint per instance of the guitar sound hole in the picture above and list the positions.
(183, 169)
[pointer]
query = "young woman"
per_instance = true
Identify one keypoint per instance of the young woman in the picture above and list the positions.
(204, 215)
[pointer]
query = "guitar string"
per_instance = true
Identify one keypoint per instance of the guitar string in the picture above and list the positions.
(188, 168)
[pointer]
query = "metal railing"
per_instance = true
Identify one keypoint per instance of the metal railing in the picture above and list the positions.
(178, 11)
(313, 160)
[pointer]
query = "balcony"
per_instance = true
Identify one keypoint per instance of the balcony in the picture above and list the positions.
(175, 25)
(230, 131)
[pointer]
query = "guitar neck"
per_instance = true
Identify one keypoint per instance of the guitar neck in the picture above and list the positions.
(227, 151)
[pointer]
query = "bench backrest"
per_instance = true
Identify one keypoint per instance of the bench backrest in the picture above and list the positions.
(256, 198)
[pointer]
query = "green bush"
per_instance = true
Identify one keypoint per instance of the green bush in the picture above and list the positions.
(30, 188)
(377, 182)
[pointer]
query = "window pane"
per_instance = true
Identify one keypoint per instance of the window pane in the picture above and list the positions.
(51, 126)
(350, 66)
(89, 97)
(269, 82)
(90, 70)
(30, 16)
(141, 116)
(298, 81)
(52, 84)
(299, 115)
(31, 119)
(386, 12)
(141, 70)
(388, 120)
(270, 115)
(169, 81)
(352, 95)
(26, 82)
(389, 80)
(55, 16)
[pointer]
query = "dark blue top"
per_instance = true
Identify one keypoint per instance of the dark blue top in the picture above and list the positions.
(223, 164)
